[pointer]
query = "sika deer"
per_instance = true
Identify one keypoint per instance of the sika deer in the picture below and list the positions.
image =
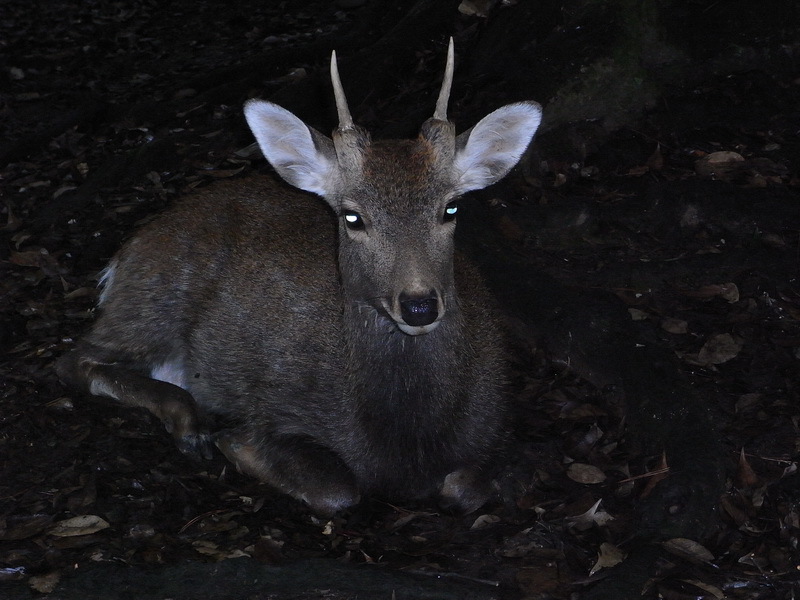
(356, 350)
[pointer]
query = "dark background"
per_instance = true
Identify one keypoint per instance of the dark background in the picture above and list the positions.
(670, 267)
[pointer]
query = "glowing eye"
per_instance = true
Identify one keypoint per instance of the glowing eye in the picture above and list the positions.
(450, 212)
(353, 220)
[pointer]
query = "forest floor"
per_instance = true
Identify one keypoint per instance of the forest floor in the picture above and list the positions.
(692, 220)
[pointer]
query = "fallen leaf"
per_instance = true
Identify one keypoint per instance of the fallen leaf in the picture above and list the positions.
(745, 476)
(593, 516)
(539, 580)
(688, 549)
(707, 587)
(583, 473)
(83, 525)
(736, 508)
(484, 521)
(520, 544)
(638, 315)
(407, 518)
(609, 556)
(655, 476)
(719, 349)
(748, 402)
(211, 549)
(676, 326)
(29, 258)
(11, 574)
(719, 165)
(477, 8)
(44, 584)
(20, 528)
(727, 291)
(723, 156)
(223, 173)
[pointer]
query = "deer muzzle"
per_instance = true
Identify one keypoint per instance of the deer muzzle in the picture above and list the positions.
(419, 313)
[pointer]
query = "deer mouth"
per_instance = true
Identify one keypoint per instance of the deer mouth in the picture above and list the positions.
(416, 330)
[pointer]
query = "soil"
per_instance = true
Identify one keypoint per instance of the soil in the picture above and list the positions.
(650, 279)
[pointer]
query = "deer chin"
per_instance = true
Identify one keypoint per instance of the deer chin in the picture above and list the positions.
(416, 330)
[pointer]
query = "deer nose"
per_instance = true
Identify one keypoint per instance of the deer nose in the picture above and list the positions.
(419, 310)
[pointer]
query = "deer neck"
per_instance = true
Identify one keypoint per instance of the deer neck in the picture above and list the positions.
(392, 371)
(406, 393)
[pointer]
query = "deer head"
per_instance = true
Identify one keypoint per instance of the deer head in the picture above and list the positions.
(396, 201)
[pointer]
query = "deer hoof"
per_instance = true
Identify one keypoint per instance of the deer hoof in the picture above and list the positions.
(197, 445)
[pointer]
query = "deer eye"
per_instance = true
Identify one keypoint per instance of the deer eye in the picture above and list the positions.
(450, 212)
(353, 220)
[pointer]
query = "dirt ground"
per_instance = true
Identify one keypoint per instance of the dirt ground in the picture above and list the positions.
(690, 220)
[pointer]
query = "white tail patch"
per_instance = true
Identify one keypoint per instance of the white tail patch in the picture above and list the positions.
(171, 371)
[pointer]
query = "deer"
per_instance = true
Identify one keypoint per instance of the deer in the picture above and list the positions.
(349, 347)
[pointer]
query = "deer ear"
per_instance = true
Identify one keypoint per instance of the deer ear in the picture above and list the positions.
(489, 150)
(302, 156)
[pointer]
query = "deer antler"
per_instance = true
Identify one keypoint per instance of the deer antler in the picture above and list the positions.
(444, 95)
(345, 120)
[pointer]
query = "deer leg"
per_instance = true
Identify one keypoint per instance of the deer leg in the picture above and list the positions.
(173, 405)
(296, 466)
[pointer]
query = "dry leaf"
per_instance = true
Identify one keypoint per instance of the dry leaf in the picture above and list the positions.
(542, 581)
(733, 506)
(745, 476)
(711, 589)
(11, 574)
(478, 8)
(23, 527)
(407, 518)
(727, 291)
(656, 476)
(519, 544)
(720, 165)
(223, 173)
(719, 349)
(83, 525)
(582, 412)
(29, 258)
(638, 315)
(609, 556)
(45, 584)
(583, 473)
(688, 549)
(593, 516)
(484, 521)
(748, 402)
(723, 156)
(676, 326)
(211, 549)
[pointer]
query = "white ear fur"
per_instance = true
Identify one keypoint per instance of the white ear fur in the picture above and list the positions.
(288, 144)
(495, 145)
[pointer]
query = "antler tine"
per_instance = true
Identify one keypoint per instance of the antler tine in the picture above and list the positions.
(345, 120)
(444, 95)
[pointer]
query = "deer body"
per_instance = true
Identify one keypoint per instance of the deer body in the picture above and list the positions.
(352, 349)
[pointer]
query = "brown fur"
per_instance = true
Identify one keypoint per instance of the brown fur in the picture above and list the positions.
(351, 358)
